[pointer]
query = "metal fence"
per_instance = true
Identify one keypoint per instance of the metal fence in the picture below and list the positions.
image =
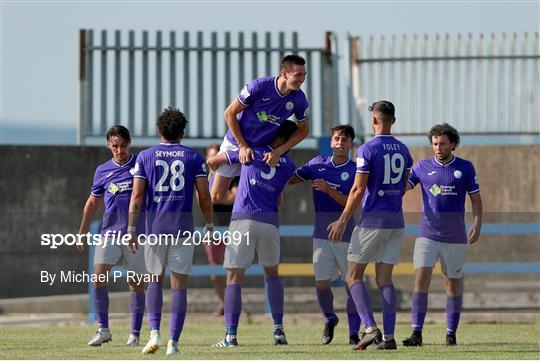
(129, 78)
(480, 84)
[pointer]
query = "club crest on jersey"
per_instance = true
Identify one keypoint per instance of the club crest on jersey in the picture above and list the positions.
(344, 176)
(113, 188)
(289, 106)
(435, 190)
(457, 174)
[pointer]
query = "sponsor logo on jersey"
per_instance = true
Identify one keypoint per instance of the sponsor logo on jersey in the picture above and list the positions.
(435, 190)
(252, 181)
(113, 188)
(380, 193)
(360, 162)
(244, 93)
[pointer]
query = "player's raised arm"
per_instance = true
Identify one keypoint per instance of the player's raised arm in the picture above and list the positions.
(90, 208)
(272, 158)
(353, 200)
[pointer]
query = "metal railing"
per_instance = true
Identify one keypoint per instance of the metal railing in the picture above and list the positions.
(130, 81)
(481, 85)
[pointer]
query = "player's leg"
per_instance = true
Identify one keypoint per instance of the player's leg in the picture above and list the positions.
(383, 279)
(325, 270)
(391, 241)
(220, 188)
(179, 283)
(101, 304)
(268, 251)
(452, 260)
(215, 161)
(155, 257)
(340, 258)
(424, 258)
(238, 256)
(135, 262)
(224, 174)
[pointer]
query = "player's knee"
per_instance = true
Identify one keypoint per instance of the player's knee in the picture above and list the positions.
(382, 280)
(135, 287)
(271, 271)
(217, 196)
(323, 285)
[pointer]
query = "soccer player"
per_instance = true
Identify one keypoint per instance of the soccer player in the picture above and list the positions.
(255, 217)
(383, 164)
(113, 182)
(215, 250)
(165, 176)
(445, 180)
(255, 115)
(332, 178)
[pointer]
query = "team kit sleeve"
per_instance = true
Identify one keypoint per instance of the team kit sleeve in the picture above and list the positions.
(363, 159)
(249, 93)
(200, 166)
(472, 181)
(232, 157)
(304, 173)
(413, 177)
(98, 187)
(301, 110)
(139, 167)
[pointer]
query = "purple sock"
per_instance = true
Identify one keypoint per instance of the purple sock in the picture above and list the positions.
(178, 313)
(101, 305)
(326, 304)
(154, 304)
(137, 313)
(389, 302)
(453, 312)
(360, 295)
(352, 317)
(274, 290)
(419, 310)
(232, 307)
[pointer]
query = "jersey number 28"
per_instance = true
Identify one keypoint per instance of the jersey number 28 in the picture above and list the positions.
(176, 182)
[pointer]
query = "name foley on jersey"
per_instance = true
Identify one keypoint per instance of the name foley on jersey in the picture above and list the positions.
(72, 276)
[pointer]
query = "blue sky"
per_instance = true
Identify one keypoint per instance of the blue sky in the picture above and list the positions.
(39, 39)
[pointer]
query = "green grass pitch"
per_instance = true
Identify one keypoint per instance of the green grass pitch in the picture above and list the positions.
(475, 341)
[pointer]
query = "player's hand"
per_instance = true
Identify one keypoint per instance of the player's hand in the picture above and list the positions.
(474, 234)
(82, 243)
(132, 243)
(336, 230)
(321, 185)
(245, 155)
(272, 158)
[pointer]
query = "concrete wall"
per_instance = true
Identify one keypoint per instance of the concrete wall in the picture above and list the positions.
(43, 190)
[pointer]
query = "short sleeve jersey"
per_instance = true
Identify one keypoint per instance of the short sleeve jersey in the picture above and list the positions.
(386, 160)
(169, 170)
(266, 109)
(444, 187)
(327, 210)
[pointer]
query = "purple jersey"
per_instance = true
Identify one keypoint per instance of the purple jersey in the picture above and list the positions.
(387, 161)
(443, 191)
(114, 182)
(266, 109)
(170, 170)
(327, 210)
(260, 186)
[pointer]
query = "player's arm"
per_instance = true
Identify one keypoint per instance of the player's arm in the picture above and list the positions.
(272, 158)
(215, 161)
(205, 202)
(477, 209)
(353, 200)
(135, 206)
(90, 209)
(323, 186)
(294, 180)
(406, 185)
(246, 153)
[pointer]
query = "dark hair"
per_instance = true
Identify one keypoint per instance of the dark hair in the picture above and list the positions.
(384, 107)
(286, 130)
(444, 129)
(171, 124)
(119, 131)
(343, 129)
(291, 59)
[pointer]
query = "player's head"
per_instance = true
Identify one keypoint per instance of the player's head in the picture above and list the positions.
(171, 124)
(443, 139)
(118, 141)
(285, 131)
(293, 70)
(341, 140)
(383, 115)
(212, 150)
